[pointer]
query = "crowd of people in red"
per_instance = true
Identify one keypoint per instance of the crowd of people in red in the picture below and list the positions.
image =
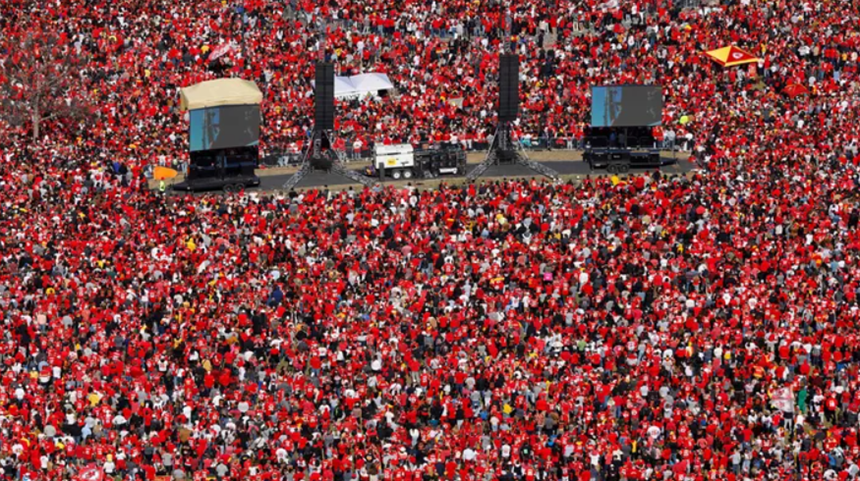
(441, 57)
(697, 327)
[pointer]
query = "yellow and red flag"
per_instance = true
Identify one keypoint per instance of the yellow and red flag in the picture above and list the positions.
(731, 56)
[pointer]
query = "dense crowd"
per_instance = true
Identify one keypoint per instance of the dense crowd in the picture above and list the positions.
(657, 327)
(441, 57)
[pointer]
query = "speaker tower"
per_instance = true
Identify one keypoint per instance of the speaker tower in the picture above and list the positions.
(320, 154)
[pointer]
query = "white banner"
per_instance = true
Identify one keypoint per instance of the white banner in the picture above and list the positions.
(783, 399)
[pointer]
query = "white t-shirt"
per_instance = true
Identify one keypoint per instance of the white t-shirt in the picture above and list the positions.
(469, 454)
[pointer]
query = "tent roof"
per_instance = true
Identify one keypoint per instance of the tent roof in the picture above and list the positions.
(370, 82)
(360, 84)
(343, 86)
(225, 91)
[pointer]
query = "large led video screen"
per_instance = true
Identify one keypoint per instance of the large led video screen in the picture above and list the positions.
(224, 127)
(626, 106)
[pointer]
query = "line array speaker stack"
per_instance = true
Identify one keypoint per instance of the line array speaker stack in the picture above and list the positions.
(509, 87)
(324, 93)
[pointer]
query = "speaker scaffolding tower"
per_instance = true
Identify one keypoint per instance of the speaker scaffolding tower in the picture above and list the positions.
(505, 149)
(320, 153)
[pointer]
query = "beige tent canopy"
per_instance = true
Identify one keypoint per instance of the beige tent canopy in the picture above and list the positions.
(225, 91)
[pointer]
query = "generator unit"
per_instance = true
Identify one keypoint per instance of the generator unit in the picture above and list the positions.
(403, 161)
(395, 161)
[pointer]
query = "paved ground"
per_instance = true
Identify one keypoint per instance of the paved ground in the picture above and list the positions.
(568, 163)
(567, 169)
(547, 156)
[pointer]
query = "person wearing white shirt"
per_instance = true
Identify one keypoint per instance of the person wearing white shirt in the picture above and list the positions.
(109, 467)
(469, 454)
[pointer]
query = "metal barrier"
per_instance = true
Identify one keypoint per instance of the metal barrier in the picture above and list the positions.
(281, 159)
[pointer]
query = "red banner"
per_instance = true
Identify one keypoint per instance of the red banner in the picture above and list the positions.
(90, 473)
(220, 51)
